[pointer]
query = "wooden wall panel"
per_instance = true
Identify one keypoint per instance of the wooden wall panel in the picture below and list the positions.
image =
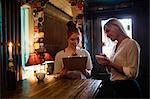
(10, 32)
(55, 29)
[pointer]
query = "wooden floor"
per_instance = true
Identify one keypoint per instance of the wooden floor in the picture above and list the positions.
(56, 88)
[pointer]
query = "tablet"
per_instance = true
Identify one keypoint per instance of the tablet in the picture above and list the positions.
(75, 63)
(99, 56)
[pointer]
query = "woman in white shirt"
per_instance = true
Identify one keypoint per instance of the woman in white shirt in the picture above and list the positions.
(123, 65)
(72, 50)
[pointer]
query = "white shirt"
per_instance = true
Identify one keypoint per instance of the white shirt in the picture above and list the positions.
(128, 56)
(58, 64)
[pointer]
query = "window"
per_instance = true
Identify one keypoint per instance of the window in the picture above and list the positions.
(107, 43)
(26, 36)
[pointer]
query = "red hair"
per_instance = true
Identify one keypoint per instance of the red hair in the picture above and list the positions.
(71, 28)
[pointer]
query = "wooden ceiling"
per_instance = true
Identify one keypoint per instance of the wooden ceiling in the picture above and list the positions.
(102, 5)
(107, 1)
(113, 4)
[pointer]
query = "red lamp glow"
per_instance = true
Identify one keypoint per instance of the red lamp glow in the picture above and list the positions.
(34, 59)
(48, 57)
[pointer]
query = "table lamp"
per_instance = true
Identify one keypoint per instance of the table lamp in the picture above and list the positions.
(49, 61)
(48, 57)
(34, 59)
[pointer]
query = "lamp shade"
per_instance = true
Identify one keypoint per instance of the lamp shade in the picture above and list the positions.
(48, 57)
(34, 59)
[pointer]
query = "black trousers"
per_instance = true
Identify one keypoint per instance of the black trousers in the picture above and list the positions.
(126, 89)
(119, 89)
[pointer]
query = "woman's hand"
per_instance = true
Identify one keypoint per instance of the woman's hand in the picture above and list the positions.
(62, 73)
(86, 72)
(102, 59)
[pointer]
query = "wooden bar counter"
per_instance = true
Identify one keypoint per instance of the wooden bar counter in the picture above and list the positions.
(56, 88)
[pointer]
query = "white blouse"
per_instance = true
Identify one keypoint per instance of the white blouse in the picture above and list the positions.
(58, 64)
(127, 55)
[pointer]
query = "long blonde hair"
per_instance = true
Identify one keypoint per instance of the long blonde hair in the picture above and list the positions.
(117, 23)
